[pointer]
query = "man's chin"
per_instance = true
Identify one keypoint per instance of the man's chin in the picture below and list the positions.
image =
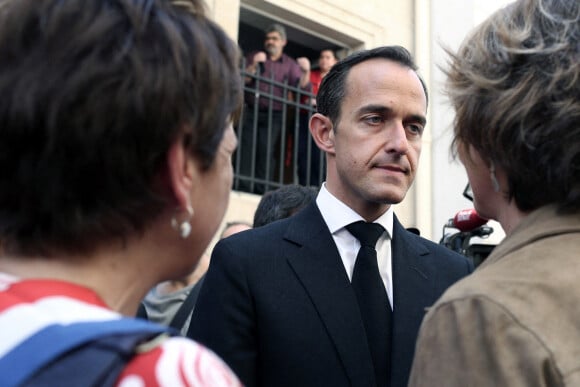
(391, 196)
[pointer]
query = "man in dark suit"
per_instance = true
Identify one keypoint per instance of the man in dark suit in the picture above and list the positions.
(278, 304)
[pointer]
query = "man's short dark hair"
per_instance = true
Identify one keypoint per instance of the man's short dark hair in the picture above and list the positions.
(333, 87)
(282, 203)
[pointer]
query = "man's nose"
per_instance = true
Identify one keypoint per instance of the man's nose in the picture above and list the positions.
(397, 142)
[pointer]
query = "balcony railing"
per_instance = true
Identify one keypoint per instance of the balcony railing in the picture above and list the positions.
(274, 142)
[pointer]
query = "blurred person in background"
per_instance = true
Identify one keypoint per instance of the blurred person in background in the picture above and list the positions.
(282, 203)
(272, 68)
(116, 140)
(514, 84)
(234, 227)
(326, 60)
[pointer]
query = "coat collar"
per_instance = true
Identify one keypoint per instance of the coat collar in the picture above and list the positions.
(539, 224)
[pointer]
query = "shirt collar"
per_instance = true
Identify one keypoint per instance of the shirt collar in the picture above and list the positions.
(337, 214)
(282, 59)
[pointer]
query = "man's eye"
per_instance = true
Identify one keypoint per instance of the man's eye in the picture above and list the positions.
(373, 119)
(416, 129)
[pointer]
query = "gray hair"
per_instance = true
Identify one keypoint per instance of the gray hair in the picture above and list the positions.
(279, 28)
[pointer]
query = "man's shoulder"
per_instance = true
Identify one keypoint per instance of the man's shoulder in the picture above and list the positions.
(444, 255)
(415, 238)
(437, 248)
(273, 236)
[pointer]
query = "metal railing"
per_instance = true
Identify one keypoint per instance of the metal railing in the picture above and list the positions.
(274, 143)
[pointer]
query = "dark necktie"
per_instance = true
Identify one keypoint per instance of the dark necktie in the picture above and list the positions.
(372, 298)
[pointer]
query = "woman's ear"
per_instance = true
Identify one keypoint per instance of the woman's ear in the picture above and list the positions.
(181, 172)
(322, 132)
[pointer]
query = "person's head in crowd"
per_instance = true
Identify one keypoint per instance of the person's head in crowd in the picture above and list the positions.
(275, 40)
(234, 227)
(326, 60)
(514, 87)
(115, 139)
(282, 203)
(371, 113)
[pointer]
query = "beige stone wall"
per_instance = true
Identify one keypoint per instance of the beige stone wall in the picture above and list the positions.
(226, 13)
(357, 24)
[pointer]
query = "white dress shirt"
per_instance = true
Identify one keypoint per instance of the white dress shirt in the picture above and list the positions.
(337, 216)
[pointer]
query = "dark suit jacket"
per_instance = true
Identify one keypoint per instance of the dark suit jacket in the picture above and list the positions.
(278, 307)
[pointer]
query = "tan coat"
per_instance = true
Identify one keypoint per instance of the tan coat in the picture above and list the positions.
(516, 320)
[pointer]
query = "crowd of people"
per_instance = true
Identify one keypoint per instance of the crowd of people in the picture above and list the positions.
(273, 77)
(277, 86)
(116, 142)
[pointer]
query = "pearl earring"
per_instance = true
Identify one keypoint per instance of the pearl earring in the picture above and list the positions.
(183, 227)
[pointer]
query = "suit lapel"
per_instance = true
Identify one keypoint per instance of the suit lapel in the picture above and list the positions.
(318, 266)
(412, 273)
(413, 283)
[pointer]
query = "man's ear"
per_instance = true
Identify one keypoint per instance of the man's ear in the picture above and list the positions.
(322, 132)
(181, 172)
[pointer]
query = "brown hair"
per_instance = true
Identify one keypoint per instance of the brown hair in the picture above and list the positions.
(93, 94)
(514, 86)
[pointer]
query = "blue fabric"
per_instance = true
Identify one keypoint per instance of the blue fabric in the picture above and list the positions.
(55, 341)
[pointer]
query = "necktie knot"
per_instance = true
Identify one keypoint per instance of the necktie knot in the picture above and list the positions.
(367, 233)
